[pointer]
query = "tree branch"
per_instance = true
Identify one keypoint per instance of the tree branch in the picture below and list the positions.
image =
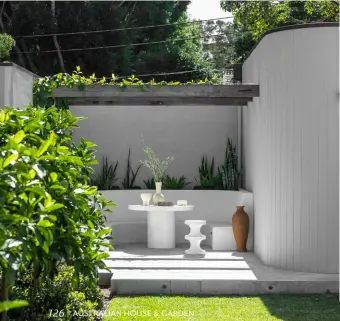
(23, 44)
(28, 57)
(55, 40)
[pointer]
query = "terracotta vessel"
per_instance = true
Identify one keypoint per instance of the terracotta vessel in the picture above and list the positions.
(240, 224)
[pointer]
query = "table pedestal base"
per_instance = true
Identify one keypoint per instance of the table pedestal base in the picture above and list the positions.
(161, 230)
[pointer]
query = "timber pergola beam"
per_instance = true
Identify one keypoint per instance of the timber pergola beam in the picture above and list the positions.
(228, 95)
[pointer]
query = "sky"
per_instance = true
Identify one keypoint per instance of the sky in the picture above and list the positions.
(206, 9)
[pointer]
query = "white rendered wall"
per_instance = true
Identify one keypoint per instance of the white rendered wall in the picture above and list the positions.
(186, 132)
(212, 206)
(16, 86)
(291, 148)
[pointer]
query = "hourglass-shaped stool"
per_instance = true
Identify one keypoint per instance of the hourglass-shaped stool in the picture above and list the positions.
(195, 237)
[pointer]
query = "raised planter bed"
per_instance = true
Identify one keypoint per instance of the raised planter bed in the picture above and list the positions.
(211, 205)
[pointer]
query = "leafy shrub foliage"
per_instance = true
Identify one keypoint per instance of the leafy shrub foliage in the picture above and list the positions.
(10, 305)
(6, 45)
(43, 87)
(73, 301)
(48, 211)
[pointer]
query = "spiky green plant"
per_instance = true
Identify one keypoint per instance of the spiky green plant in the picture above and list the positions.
(150, 183)
(108, 176)
(229, 172)
(207, 177)
(130, 175)
(174, 182)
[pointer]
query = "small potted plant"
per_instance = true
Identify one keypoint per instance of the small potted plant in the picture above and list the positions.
(157, 169)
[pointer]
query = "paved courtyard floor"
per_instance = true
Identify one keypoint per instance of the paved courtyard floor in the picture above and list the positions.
(139, 270)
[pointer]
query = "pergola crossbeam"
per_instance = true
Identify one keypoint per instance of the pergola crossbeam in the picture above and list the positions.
(235, 95)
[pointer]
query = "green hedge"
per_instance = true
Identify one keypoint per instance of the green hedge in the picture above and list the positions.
(56, 299)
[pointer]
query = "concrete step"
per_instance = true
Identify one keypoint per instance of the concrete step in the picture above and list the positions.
(176, 264)
(218, 287)
(175, 281)
(208, 282)
(168, 269)
(149, 271)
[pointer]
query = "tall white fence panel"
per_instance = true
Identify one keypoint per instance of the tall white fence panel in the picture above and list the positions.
(291, 148)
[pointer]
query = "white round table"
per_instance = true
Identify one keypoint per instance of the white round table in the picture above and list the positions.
(161, 224)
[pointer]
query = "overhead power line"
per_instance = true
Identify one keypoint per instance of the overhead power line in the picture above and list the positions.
(115, 46)
(228, 69)
(120, 29)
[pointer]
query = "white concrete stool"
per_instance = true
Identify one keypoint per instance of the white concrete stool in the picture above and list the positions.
(195, 237)
(222, 238)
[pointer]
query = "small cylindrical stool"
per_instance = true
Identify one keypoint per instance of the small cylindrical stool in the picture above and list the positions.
(195, 237)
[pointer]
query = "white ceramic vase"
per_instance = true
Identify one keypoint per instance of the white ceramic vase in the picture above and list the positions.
(158, 196)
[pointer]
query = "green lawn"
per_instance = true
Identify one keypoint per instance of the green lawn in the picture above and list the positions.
(261, 308)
